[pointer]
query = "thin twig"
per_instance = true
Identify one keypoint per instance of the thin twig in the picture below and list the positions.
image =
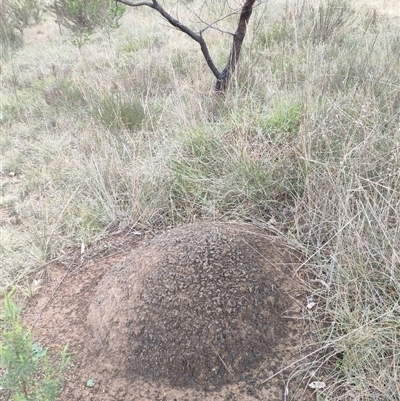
(226, 366)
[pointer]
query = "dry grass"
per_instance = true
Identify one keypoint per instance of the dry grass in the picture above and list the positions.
(127, 132)
(388, 7)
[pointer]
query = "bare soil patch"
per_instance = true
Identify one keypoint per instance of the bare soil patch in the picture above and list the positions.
(201, 312)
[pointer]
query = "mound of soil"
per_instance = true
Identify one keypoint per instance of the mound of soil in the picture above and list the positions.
(202, 306)
(203, 312)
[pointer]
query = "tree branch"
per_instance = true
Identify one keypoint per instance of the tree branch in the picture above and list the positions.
(224, 77)
(183, 28)
(136, 4)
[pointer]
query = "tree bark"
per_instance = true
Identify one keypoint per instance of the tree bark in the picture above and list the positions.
(227, 72)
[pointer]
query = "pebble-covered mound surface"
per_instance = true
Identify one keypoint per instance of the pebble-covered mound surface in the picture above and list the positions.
(200, 306)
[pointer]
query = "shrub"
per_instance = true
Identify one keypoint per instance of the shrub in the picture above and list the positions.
(81, 17)
(15, 16)
(24, 13)
(9, 39)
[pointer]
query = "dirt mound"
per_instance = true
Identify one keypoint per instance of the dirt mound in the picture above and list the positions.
(202, 306)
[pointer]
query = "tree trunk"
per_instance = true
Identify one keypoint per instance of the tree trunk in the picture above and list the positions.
(226, 75)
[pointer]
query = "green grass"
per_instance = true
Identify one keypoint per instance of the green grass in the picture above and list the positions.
(127, 131)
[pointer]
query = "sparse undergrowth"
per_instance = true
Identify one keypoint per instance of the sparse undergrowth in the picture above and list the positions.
(306, 142)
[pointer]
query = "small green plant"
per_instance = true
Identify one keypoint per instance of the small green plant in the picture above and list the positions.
(82, 17)
(26, 371)
(284, 118)
(90, 383)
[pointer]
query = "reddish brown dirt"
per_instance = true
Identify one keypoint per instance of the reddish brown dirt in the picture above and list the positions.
(117, 306)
